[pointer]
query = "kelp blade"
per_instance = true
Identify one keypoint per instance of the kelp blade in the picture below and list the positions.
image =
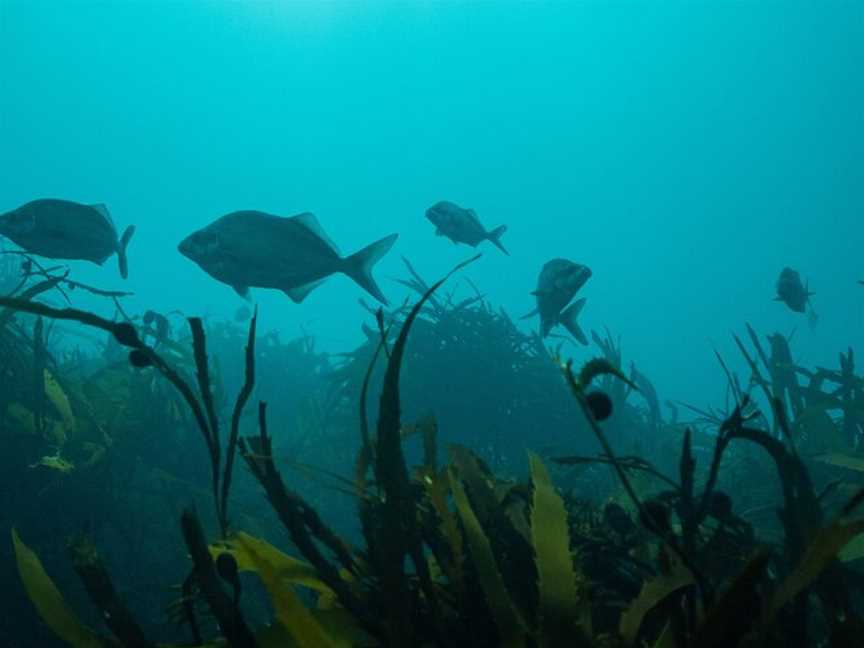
(48, 600)
(290, 611)
(653, 593)
(289, 570)
(824, 549)
(511, 627)
(561, 612)
(55, 394)
(841, 460)
(599, 367)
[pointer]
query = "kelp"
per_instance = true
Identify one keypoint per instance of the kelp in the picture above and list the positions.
(801, 517)
(202, 409)
(49, 602)
(653, 593)
(481, 352)
(290, 611)
(454, 554)
(100, 587)
(397, 536)
(290, 570)
(227, 612)
(564, 613)
(512, 629)
(732, 615)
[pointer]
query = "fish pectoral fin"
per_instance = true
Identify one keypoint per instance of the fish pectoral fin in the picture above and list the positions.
(298, 294)
(243, 291)
(538, 293)
(531, 314)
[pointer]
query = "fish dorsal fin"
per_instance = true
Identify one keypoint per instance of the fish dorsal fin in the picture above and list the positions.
(308, 220)
(298, 294)
(102, 209)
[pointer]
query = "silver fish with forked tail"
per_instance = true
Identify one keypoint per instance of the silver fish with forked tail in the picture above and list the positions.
(62, 229)
(293, 254)
(462, 225)
(558, 283)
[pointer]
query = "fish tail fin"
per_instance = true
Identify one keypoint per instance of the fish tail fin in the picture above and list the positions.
(359, 265)
(121, 251)
(495, 236)
(568, 319)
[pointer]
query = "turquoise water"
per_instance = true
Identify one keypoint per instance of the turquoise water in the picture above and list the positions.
(685, 151)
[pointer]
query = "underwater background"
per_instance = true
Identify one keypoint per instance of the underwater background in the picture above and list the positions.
(685, 151)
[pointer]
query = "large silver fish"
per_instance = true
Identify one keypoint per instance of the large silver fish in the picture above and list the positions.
(462, 225)
(62, 229)
(558, 283)
(293, 254)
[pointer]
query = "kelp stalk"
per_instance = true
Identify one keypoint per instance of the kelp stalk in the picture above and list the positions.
(240, 403)
(97, 582)
(231, 621)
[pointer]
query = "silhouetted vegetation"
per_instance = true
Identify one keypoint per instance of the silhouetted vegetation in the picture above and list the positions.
(737, 528)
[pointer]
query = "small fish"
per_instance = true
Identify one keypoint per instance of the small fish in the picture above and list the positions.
(462, 225)
(62, 229)
(795, 294)
(293, 254)
(558, 283)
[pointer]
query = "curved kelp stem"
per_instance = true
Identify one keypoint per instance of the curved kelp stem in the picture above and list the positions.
(364, 458)
(88, 564)
(303, 523)
(240, 403)
(203, 409)
(397, 535)
(231, 622)
(578, 387)
(202, 373)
